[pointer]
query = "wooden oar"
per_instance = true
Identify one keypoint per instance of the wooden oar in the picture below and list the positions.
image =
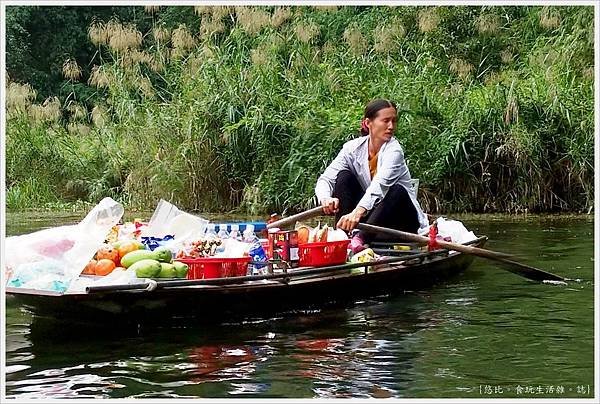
(513, 266)
(294, 218)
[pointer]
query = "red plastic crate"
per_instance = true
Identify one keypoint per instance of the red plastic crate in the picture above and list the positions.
(323, 254)
(214, 267)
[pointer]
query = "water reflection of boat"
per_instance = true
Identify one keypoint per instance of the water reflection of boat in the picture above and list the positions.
(211, 359)
(228, 299)
(362, 351)
(328, 355)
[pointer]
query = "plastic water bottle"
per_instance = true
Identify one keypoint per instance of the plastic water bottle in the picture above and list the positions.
(222, 237)
(256, 252)
(249, 235)
(210, 231)
(235, 232)
(223, 234)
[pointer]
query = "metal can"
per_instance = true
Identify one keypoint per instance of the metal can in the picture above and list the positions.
(283, 245)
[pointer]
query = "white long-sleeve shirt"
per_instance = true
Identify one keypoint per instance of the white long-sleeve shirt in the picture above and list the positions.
(391, 170)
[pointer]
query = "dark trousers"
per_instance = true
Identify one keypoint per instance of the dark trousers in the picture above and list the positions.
(395, 211)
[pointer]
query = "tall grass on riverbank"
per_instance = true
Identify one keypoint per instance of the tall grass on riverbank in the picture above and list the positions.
(245, 106)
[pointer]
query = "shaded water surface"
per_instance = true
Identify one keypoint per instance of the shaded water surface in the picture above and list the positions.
(485, 333)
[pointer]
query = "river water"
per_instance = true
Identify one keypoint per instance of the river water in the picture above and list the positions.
(486, 333)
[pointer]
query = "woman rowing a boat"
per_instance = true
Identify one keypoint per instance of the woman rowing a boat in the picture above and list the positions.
(369, 180)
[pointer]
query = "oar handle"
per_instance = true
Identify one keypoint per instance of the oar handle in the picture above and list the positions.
(294, 218)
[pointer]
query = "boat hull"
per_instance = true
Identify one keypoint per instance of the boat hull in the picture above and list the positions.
(246, 300)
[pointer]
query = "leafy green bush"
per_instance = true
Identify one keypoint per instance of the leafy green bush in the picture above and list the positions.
(496, 107)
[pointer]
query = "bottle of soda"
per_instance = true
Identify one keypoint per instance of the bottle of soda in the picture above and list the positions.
(256, 252)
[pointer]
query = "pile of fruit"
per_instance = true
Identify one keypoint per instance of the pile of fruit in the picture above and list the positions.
(132, 255)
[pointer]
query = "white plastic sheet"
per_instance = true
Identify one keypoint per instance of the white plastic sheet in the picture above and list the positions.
(51, 259)
(454, 229)
(167, 219)
(117, 277)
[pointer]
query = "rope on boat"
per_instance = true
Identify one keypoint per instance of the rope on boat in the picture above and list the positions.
(151, 284)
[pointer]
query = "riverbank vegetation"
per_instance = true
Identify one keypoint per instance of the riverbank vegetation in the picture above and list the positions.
(220, 108)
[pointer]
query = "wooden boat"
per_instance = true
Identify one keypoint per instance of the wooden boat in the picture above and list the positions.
(227, 299)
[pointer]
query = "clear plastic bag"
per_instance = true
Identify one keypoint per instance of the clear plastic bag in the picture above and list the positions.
(50, 259)
(116, 277)
(163, 214)
(454, 229)
(167, 220)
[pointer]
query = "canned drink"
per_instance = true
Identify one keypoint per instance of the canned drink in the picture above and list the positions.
(283, 245)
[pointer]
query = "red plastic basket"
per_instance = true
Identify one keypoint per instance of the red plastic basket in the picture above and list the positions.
(204, 268)
(323, 254)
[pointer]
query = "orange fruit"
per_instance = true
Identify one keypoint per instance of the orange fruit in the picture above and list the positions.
(107, 252)
(104, 266)
(90, 268)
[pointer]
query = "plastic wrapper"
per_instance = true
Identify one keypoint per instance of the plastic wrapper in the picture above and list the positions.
(116, 277)
(169, 221)
(454, 229)
(153, 242)
(51, 259)
(367, 255)
(232, 248)
(336, 235)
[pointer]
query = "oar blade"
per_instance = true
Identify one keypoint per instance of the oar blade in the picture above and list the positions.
(529, 272)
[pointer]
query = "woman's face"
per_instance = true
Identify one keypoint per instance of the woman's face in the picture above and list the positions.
(383, 126)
